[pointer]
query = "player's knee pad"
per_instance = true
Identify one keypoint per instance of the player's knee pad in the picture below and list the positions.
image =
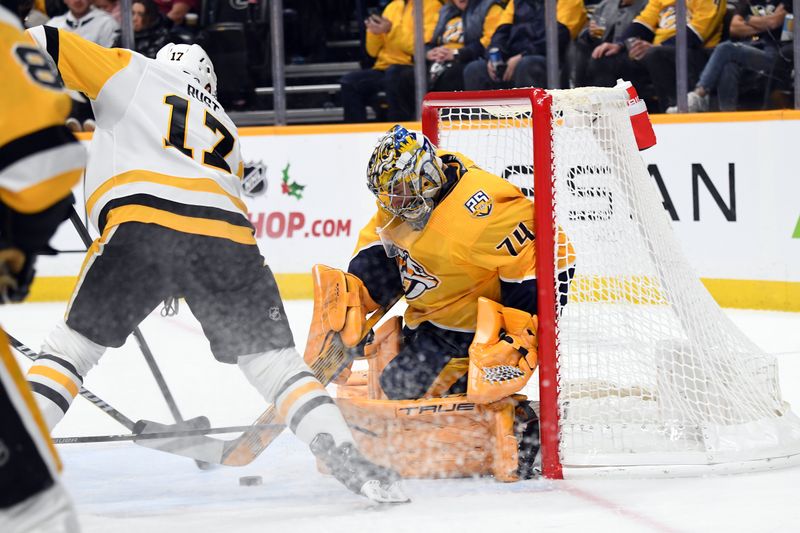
(445, 383)
(65, 343)
(447, 437)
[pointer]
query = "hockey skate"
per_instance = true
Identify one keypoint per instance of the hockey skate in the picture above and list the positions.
(358, 474)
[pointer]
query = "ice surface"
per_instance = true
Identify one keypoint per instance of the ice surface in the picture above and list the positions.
(120, 488)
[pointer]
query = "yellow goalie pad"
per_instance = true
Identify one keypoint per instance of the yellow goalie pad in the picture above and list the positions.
(503, 354)
(384, 347)
(446, 437)
(341, 304)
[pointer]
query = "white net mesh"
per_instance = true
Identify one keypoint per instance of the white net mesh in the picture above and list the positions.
(650, 370)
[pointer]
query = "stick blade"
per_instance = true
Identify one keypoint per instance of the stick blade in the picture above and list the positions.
(197, 447)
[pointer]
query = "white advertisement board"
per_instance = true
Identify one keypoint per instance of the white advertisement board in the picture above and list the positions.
(730, 188)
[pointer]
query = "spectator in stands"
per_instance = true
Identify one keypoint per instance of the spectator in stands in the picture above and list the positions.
(390, 40)
(97, 26)
(758, 23)
(150, 32)
(650, 40)
(607, 22)
(90, 23)
(464, 29)
(175, 10)
(520, 41)
(112, 7)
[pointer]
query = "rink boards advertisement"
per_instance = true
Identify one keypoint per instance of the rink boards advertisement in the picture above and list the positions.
(728, 182)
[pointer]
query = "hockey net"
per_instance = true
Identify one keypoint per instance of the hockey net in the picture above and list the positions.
(640, 371)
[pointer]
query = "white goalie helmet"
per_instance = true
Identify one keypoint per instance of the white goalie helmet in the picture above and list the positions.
(193, 60)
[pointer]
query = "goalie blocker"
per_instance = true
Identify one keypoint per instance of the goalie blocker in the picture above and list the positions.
(488, 431)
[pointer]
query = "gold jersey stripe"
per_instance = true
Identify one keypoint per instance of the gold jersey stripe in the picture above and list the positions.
(55, 375)
(39, 197)
(184, 224)
(91, 253)
(293, 396)
(86, 66)
(33, 410)
(189, 184)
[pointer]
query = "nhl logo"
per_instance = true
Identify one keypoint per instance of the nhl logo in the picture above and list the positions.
(479, 204)
(274, 313)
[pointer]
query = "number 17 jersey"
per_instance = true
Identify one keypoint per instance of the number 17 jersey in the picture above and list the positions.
(164, 151)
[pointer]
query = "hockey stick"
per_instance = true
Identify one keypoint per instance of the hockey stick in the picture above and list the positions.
(154, 435)
(95, 400)
(140, 340)
(332, 359)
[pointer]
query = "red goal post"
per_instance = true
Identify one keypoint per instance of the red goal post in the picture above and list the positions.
(641, 372)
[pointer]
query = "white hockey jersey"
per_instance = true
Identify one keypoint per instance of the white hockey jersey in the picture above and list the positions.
(164, 151)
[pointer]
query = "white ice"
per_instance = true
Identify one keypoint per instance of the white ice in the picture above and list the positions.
(122, 487)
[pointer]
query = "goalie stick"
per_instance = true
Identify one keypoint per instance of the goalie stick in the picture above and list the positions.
(332, 359)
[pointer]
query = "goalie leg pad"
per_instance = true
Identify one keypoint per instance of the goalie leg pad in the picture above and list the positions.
(426, 352)
(440, 438)
(384, 347)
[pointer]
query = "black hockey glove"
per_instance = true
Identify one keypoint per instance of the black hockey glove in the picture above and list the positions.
(24, 236)
(16, 274)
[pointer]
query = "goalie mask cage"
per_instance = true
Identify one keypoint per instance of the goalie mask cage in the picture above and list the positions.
(640, 372)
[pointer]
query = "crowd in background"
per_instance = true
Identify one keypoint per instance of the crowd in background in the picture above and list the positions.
(739, 54)
(739, 51)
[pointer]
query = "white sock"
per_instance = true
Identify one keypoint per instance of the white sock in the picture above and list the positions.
(303, 404)
(57, 375)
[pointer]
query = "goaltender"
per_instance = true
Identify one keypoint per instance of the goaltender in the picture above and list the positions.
(458, 243)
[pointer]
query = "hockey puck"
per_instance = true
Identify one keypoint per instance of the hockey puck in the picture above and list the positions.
(250, 481)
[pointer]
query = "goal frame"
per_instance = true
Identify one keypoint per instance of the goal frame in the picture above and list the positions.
(544, 228)
(747, 426)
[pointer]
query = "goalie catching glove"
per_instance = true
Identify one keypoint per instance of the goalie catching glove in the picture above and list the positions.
(503, 354)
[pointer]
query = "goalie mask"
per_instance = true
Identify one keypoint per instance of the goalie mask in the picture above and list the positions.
(405, 175)
(193, 60)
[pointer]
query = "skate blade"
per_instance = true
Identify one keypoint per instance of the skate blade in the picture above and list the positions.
(392, 493)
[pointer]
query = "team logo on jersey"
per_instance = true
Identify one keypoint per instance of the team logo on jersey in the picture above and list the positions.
(479, 204)
(414, 277)
(274, 313)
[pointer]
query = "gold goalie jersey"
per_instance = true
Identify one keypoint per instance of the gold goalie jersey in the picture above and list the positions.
(40, 160)
(164, 151)
(479, 234)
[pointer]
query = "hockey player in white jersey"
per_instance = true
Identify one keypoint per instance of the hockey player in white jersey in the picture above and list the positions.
(163, 188)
